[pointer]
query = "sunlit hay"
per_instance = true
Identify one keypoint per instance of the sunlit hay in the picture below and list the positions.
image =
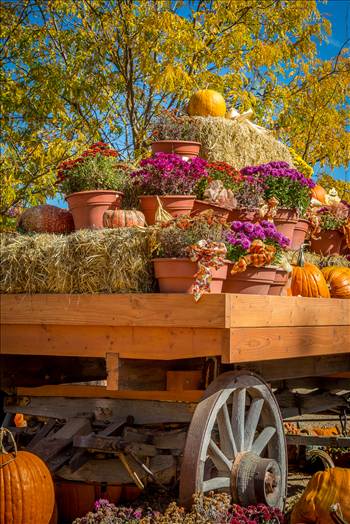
(319, 260)
(105, 261)
(225, 140)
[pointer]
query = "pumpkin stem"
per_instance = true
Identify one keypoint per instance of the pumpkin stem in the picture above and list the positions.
(301, 257)
(3, 432)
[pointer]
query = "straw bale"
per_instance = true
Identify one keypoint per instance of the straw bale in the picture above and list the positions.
(222, 139)
(104, 261)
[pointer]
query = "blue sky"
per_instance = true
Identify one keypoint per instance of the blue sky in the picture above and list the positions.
(338, 12)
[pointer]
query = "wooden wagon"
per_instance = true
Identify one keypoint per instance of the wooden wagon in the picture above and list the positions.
(183, 384)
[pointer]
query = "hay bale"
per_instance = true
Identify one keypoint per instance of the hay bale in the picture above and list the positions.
(224, 140)
(104, 261)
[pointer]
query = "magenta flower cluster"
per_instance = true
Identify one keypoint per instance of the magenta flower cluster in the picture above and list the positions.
(276, 170)
(256, 515)
(242, 234)
(169, 174)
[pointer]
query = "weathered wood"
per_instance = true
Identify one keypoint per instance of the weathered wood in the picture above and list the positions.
(113, 445)
(312, 440)
(257, 344)
(323, 383)
(112, 366)
(105, 409)
(43, 432)
(183, 380)
(293, 404)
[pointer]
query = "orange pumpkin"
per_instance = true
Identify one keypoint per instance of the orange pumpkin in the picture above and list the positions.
(123, 218)
(338, 280)
(319, 193)
(46, 219)
(308, 280)
(323, 490)
(207, 102)
(27, 493)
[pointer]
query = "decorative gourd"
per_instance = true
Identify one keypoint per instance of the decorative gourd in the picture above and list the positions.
(308, 280)
(46, 219)
(207, 102)
(338, 280)
(325, 489)
(27, 494)
(319, 193)
(123, 218)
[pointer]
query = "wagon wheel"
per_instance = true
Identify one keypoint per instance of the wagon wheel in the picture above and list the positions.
(236, 443)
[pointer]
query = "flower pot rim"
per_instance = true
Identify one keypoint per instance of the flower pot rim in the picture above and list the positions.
(214, 204)
(177, 142)
(167, 196)
(109, 191)
(172, 259)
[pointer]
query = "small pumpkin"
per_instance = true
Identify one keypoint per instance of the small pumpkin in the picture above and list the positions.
(207, 102)
(123, 218)
(338, 280)
(319, 193)
(46, 219)
(27, 492)
(308, 280)
(325, 489)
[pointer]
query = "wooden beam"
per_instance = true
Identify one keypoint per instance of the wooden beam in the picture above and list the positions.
(257, 344)
(311, 440)
(112, 366)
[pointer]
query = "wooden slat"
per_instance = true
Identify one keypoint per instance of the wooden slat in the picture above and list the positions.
(258, 344)
(95, 341)
(167, 310)
(102, 392)
(311, 440)
(112, 367)
(268, 311)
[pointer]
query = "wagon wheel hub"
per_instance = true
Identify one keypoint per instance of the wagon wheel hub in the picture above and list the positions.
(255, 479)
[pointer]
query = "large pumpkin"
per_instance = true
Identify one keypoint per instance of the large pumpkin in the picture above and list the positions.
(46, 219)
(123, 218)
(308, 280)
(323, 490)
(27, 493)
(207, 102)
(319, 193)
(338, 280)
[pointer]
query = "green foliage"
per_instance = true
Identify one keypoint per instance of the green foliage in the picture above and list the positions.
(342, 187)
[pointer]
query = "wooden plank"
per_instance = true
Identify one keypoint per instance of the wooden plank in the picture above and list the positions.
(272, 311)
(258, 344)
(311, 440)
(183, 380)
(166, 310)
(75, 391)
(150, 343)
(112, 367)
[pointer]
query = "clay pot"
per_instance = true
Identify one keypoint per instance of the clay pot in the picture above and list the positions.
(176, 275)
(285, 221)
(244, 215)
(252, 281)
(281, 279)
(202, 205)
(175, 205)
(182, 148)
(329, 243)
(87, 207)
(300, 232)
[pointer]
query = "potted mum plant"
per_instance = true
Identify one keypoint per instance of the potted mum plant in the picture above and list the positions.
(169, 180)
(170, 137)
(92, 183)
(191, 255)
(290, 189)
(253, 250)
(329, 224)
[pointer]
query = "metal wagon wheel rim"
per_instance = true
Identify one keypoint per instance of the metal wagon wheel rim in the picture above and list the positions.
(236, 443)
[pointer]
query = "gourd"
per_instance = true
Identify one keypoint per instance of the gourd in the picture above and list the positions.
(338, 280)
(46, 219)
(325, 489)
(308, 280)
(207, 102)
(319, 193)
(27, 494)
(123, 218)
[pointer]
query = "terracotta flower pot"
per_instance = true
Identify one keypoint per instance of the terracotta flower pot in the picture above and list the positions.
(176, 275)
(87, 207)
(300, 232)
(252, 281)
(182, 148)
(285, 221)
(243, 215)
(329, 243)
(280, 282)
(202, 205)
(176, 205)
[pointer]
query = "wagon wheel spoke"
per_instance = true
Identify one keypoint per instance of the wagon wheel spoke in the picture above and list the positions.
(263, 439)
(221, 462)
(252, 422)
(216, 483)
(238, 415)
(227, 441)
